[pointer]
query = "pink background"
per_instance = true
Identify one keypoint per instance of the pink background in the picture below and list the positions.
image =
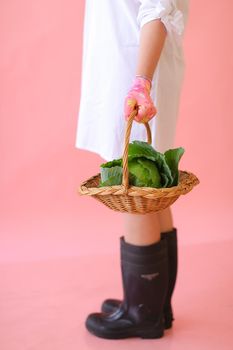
(40, 67)
(50, 237)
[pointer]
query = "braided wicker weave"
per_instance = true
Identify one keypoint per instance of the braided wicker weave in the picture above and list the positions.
(133, 199)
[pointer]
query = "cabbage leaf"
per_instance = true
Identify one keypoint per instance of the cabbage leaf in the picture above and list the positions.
(147, 167)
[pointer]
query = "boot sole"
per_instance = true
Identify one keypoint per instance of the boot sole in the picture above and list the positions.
(129, 333)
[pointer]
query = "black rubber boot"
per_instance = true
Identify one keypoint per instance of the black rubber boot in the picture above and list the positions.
(110, 305)
(171, 238)
(145, 282)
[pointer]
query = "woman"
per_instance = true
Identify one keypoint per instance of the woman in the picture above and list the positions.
(133, 58)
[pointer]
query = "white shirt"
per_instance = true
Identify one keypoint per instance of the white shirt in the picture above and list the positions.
(110, 49)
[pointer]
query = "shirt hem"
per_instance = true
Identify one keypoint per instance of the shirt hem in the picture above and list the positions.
(91, 149)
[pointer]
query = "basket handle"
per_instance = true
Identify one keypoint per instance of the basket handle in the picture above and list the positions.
(125, 180)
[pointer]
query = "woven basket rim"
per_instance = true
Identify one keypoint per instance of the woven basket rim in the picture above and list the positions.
(117, 189)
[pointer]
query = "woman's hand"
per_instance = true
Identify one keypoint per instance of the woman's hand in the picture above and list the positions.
(139, 98)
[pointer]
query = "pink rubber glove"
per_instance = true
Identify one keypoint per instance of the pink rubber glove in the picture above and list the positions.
(139, 96)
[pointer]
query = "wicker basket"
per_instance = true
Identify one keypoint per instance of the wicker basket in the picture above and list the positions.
(133, 199)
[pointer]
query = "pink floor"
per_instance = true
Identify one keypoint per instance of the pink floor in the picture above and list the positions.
(44, 303)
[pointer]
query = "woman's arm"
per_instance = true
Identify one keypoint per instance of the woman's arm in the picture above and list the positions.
(152, 38)
(156, 19)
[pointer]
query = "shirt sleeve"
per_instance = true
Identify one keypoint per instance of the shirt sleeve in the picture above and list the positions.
(167, 11)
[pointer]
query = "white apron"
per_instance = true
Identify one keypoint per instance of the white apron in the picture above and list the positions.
(110, 49)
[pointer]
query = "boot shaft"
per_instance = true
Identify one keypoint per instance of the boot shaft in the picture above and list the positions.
(172, 249)
(145, 280)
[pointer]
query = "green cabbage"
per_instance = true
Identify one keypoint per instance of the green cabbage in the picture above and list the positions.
(147, 167)
(144, 172)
